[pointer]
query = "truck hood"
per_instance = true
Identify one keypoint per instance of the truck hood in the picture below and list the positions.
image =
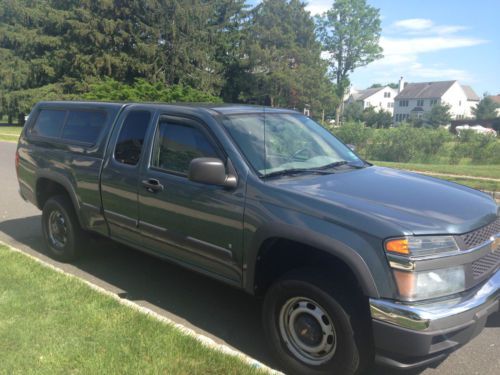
(415, 203)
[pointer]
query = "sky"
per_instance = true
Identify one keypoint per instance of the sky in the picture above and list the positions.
(433, 40)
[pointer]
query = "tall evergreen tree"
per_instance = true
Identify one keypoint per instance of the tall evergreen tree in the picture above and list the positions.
(282, 57)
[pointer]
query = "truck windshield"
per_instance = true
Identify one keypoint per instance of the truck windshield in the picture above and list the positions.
(281, 142)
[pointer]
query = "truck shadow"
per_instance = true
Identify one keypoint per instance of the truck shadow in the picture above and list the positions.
(192, 299)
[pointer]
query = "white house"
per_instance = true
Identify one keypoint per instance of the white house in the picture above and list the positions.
(416, 99)
(380, 98)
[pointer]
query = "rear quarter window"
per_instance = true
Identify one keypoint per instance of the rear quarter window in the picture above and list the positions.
(49, 123)
(72, 125)
(84, 126)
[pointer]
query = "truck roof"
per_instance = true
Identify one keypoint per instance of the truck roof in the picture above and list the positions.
(225, 109)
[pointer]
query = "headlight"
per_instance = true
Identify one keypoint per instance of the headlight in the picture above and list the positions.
(405, 254)
(423, 246)
(413, 286)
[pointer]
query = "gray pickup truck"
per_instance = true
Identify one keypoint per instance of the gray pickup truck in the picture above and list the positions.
(354, 262)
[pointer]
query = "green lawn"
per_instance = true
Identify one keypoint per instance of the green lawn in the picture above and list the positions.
(487, 171)
(51, 323)
(10, 133)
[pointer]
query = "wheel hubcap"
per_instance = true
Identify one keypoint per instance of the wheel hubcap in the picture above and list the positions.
(307, 330)
(58, 230)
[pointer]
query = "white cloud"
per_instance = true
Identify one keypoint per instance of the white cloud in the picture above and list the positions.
(423, 26)
(414, 24)
(415, 46)
(406, 41)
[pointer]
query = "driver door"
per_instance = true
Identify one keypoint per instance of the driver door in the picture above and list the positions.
(197, 224)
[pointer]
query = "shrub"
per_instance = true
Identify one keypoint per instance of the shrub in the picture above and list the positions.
(144, 91)
(356, 134)
(479, 148)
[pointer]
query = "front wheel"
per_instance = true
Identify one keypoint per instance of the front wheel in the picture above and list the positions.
(313, 329)
(61, 230)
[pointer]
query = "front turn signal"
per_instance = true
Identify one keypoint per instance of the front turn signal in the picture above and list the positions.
(398, 246)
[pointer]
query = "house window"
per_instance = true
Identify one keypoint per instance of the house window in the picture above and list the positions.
(403, 103)
(459, 103)
(420, 102)
(387, 94)
(434, 102)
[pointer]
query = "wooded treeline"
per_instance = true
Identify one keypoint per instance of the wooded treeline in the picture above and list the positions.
(211, 49)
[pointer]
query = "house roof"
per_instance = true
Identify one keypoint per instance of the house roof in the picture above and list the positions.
(495, 98)
(425, 90)
(470, 93)
(363, 94)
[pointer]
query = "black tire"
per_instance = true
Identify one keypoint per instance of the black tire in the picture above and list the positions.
(61, 229)
(349, 349)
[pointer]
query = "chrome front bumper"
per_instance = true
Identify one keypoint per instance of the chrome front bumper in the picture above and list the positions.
(410, 335)
(442, 314)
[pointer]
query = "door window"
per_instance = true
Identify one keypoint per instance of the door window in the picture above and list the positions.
(131, 139)
(177, 144)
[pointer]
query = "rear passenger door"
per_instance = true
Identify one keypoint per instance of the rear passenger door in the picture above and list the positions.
(199, 225)
(120, 174)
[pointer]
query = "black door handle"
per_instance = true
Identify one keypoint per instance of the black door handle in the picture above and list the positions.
(152, 185)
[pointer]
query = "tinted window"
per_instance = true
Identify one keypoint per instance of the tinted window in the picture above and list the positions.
(49, 123)
(84, 126)
(177, 144)
(129, 146)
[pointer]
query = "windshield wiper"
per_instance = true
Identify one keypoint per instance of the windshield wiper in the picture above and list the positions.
(294, 171)
(340, 163)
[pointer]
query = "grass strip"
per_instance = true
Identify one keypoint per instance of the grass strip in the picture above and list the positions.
(51, 323)
(489, 171)
(10, 133)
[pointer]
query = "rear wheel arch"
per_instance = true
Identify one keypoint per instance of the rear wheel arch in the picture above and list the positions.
(52, 184)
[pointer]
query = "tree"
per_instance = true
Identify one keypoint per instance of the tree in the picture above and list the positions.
(282, 64)
(439, 115)
(376, 119)
(486, 109)
(353, 112)
(350, 33)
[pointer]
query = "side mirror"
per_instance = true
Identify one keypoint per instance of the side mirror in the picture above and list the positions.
(211, 171)
(352, 147)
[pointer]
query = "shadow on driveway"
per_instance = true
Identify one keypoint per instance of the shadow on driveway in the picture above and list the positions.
(184, 296)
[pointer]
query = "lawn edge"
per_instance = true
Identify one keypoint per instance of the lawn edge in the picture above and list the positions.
(203, 339)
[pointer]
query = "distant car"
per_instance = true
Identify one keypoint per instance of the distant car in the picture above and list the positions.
(477, 129)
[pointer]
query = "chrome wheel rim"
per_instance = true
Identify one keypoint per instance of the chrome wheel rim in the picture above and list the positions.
(308, 331)
(58, 230)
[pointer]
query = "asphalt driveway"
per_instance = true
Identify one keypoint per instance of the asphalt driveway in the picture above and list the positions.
(209, 307)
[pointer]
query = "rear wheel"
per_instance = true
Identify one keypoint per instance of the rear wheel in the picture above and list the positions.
(313, 328)
(61, 230)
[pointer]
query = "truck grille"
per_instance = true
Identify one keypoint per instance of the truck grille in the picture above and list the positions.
(486, 264)
(481, 235)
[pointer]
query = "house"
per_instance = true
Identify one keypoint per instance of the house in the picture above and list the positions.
(414, 100)
(380, 98)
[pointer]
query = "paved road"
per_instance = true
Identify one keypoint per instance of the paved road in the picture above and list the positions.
(218, 311)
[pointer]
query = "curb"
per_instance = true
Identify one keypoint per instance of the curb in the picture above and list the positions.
(205, 340)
